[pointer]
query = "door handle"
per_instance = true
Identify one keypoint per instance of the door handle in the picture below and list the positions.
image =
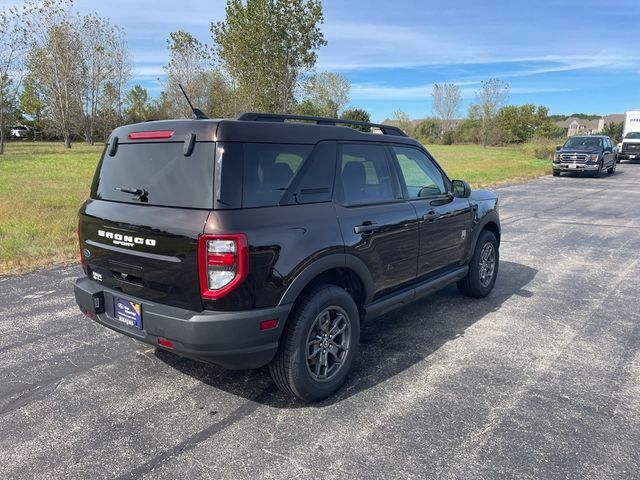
(431, 216)
(366, 227)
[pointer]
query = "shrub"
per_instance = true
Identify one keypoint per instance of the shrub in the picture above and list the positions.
(539, 147)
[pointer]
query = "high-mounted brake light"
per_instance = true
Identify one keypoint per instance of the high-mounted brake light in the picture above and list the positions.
(223, 263)
(150, 135)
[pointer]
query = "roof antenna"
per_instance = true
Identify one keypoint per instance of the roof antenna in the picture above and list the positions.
(196, 111)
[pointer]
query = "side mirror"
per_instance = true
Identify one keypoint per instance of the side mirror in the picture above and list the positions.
(460, 189)
(558, 147)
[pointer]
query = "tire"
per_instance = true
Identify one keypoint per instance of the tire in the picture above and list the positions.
(598, 172)
(475, 284)
(556, 173)
(291, 369)
(618, 159)
(612, 169)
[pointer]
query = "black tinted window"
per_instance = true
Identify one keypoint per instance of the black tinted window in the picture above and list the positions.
(364, 175)
(160, 169)
(268, 171)
(316, 182)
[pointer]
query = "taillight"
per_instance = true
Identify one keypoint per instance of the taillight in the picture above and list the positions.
(223, 263)
(79, 243)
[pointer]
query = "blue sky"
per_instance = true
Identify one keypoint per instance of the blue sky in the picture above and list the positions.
(569, 55)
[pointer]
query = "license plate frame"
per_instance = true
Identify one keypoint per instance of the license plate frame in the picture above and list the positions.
(127, 312)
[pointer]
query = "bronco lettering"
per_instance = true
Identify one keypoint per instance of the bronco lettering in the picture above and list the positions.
(126, 240)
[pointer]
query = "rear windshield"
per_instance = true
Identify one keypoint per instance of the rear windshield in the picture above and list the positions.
(157, 174)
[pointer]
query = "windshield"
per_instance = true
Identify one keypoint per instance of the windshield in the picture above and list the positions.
(583, 142)
(157, 174)
(633, 136)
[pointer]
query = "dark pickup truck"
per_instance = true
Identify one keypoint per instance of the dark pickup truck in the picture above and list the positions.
(269, 239)
(590, 153)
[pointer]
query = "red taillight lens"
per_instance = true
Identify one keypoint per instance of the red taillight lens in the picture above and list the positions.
(150, 135)
(223, 263)
(163, 342)
(79, 243)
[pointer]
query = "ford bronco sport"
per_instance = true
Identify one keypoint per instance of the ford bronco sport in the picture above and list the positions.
(270, 239)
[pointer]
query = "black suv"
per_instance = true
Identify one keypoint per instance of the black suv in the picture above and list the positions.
(590, 153)
(269, 239)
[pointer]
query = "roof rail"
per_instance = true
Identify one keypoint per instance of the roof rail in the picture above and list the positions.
(281, 117)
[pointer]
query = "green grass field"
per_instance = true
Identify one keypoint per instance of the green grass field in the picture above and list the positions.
(42, 186)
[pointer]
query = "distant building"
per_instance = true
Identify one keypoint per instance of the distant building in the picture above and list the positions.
(579, 126)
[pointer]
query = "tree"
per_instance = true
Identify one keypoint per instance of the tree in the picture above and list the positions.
(79, 66)
(328, 92)
(54, 61)
(12, 50)
(468, 130)
(491, 96)
(614, 131)
(265, 46)
(31, 103)
(102, 66)
(190, 62)
(522, 123)
(446, 104)
(136, 105)
(358, 115)
(403, 121)
(427, 130)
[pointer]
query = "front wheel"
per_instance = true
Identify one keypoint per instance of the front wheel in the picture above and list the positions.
(483, 268)
(612, 169)
(598, 172)
(556, 173)
(319, 344)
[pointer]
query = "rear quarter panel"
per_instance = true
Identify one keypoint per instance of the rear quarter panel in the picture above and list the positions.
(283, 240)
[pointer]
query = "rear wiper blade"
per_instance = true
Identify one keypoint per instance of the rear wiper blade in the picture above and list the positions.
(139, 193)
(132, 190)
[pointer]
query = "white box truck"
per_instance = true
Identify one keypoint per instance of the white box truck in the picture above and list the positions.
(629, 149)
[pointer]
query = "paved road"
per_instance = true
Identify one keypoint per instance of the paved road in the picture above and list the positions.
(540, 380)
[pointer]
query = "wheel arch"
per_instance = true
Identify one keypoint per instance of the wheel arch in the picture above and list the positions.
(346, 271)
(490, 222)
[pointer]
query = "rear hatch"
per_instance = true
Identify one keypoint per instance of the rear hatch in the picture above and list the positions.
(150, 199)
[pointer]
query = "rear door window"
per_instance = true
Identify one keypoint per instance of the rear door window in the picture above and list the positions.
(364, 175)
(161, 171)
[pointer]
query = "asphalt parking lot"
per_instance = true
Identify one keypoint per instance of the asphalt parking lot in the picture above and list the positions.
(539, 380)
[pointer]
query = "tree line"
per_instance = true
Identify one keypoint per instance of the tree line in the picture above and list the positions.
(489, 121)
(66, 74)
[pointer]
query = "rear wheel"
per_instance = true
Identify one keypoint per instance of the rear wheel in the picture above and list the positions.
(483, 268)
(319, 344)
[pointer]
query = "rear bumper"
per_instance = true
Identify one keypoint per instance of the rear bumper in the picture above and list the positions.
(230, 339)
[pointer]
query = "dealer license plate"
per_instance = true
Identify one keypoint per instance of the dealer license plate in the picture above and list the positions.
(127, 312)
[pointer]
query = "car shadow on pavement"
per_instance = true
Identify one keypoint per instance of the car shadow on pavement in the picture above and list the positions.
(389, 345)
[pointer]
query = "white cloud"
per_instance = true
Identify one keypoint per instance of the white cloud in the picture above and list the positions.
(382, 91)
